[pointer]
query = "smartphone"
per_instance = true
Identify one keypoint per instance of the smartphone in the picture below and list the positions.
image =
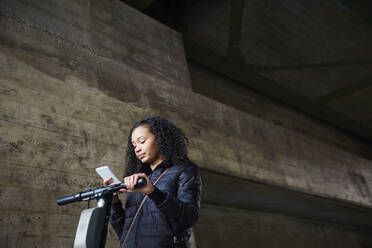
(105, 173)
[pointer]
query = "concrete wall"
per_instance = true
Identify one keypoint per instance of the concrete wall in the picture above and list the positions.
(74, 77)
(261, 230)
(284, 147)
(225, 90)
(69, 94)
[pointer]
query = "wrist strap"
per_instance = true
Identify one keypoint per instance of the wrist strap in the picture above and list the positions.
(139, 208)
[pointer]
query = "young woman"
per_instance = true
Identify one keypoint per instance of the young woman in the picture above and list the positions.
(157, 151)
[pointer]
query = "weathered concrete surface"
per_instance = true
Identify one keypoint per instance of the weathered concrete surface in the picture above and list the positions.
(262, 230)
(74, 77)
(74, 33)
(236, 95)
(233, 192)
(313, 55)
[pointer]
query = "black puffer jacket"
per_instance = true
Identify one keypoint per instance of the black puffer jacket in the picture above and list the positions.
(168, 214)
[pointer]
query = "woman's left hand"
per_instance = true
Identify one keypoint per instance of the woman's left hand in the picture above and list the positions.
(132, 180)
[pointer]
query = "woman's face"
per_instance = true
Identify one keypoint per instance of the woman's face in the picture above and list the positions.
(145, 147)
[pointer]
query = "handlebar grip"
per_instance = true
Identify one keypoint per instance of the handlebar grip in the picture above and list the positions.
(91, 194)
(68, 199)
(140, 183)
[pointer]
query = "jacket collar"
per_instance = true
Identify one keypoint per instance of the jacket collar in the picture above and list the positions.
(159, 169)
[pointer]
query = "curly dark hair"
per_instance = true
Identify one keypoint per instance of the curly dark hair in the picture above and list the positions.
(170, 140)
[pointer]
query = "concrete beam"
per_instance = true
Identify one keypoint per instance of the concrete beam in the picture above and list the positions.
(347, 91)
(226, 191)
(247, 228)
(249, 76)
(314, 66)
(236, 14)
(139, 4)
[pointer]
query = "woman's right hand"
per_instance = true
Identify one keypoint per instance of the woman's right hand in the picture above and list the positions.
(115, 196)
